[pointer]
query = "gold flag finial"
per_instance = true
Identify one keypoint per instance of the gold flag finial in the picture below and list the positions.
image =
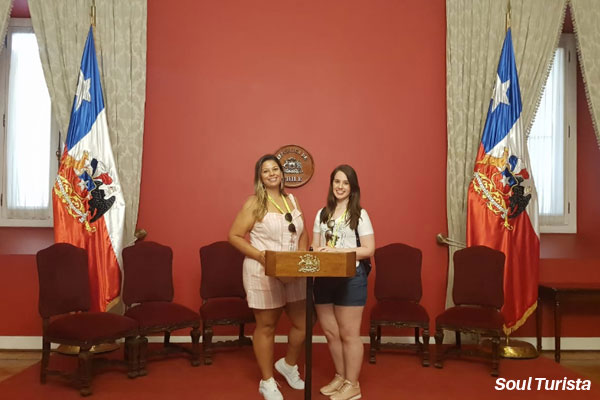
(93, 13)
(508, 16)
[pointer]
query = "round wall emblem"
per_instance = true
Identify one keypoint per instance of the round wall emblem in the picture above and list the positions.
(297, 163)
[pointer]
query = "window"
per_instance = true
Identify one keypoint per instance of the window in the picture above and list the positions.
(28, 139)
(553, 144)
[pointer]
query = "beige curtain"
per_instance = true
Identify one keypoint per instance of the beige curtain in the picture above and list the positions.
(474, 35)
(5, 10)
(586, 14)
(61, 27)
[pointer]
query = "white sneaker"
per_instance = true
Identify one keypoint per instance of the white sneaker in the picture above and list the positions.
(290, 373)
(269, 389)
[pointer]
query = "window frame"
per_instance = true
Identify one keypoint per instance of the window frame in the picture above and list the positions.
(568, 223)
(20, 25)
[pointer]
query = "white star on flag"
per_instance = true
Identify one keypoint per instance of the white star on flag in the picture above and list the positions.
(499, 95)
(83, 90)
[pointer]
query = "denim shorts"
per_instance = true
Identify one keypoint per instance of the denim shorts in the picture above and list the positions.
(342, 291)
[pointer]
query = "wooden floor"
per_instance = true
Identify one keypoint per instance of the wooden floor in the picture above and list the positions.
(586, 363)
(13, 361)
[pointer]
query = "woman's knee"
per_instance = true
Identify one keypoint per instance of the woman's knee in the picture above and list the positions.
(299, 324)
(349, 336)
(331, 334)
(265, 329)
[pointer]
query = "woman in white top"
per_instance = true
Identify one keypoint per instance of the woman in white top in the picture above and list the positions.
(273, 221)
(343, 226)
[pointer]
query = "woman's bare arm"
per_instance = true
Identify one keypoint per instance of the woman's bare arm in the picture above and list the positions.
(242, 224)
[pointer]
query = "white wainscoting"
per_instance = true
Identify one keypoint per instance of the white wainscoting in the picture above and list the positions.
(566, 343)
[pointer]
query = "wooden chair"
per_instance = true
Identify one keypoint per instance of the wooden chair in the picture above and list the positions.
(398, 292)
(64, 301)
(223, 295)
(478, 296)
(148, 296)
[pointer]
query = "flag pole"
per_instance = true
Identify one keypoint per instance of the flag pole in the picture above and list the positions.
(507, 17)
(93, 14)
(516, 349)
(446, 241)
(103, 347)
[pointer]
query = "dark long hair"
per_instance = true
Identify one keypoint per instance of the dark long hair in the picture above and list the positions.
(354, 207)
(259, 188)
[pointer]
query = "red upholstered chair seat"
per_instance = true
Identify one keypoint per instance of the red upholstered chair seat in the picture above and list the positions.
(478, 296)
(471, 317)
(92, 327)
(64, 301)
(155, 313)
(392, 310)
(148, 296)
(398, 292)
(223, 295)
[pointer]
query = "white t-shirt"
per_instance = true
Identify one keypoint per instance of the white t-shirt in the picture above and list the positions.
(346, 238)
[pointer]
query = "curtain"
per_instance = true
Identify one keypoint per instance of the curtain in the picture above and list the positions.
(61, 28)
(5, 10)
(474, 34)
(586, 14)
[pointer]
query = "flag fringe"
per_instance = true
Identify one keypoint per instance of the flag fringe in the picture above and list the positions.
(113, 303)
(510, 329)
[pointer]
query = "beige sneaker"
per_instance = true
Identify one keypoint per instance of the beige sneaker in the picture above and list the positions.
(333, 386)
(348, 391)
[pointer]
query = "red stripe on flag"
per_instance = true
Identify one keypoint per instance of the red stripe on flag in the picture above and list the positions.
(521, 247)
(103, 267)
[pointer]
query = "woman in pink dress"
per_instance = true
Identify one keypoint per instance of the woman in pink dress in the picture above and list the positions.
(274, 221)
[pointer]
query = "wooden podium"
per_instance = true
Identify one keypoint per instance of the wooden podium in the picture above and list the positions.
(308, 264)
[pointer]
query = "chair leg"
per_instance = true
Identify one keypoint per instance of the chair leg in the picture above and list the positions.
(439, 339)
(373, 343)
(418, 343)
(85, 371)
(495, 355)
(167, 339)
(142, 345)
(195, 334)
(131, 356)
(378, 337)
(207, 334)
(425, 361)
(45, 360)
(458, 342)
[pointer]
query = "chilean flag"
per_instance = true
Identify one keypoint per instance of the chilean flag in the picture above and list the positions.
(89, 208)
(502, 206)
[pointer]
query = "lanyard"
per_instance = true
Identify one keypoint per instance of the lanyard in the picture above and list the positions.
(336, 228)
(277, 205)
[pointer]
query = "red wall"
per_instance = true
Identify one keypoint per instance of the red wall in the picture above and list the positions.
(20, 9)
(360, 83)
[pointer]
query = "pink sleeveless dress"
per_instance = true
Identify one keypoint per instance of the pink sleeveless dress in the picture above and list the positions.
(265, 292)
